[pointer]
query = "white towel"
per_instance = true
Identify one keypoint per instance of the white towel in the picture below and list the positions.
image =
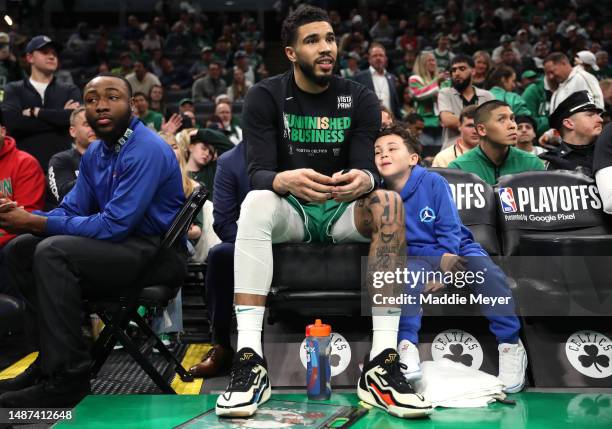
(450, 384)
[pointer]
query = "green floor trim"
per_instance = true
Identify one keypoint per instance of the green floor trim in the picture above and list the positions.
(533, 410)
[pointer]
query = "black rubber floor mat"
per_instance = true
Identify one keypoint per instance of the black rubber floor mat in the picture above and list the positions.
(122, 375)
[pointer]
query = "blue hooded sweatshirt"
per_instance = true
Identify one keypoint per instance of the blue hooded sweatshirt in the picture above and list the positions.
(433, 225)
(131, 188)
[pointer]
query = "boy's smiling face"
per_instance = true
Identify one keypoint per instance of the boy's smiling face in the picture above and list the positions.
(392, 157)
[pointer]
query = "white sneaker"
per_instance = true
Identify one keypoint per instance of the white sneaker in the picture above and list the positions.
(409, 356)
(248, 388)
(512, 366)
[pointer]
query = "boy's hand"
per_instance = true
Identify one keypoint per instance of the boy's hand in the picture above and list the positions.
(452, 263)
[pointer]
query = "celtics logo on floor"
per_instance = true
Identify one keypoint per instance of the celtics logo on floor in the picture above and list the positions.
(458, 346)
(590, 353)
(340, 356)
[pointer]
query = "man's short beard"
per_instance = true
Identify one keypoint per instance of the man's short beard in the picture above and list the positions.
(309, 73)
(461, 86)
(118, 130)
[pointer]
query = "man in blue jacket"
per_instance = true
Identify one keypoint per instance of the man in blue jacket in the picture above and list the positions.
(98, 241)
(230, 187)
(437, 241)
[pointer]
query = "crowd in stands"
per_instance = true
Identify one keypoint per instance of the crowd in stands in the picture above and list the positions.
(546, 64)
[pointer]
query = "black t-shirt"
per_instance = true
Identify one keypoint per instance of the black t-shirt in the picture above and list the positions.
(603, 150)
(286, 128)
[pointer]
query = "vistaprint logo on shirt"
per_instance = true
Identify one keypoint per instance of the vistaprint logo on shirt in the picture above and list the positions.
(345, 101)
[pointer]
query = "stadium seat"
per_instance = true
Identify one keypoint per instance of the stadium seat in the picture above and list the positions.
(557, 238)
(316, 279)
(160, 283)
(550, 204)
(176, 96)
(476, 204)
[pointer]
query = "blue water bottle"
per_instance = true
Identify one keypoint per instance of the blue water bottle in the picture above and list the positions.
(318, 369)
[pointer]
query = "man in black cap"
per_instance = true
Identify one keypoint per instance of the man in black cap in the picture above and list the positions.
(37, 109)
(579, 122)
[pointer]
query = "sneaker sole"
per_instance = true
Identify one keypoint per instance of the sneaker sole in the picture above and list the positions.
(402, 413)
(245, 411)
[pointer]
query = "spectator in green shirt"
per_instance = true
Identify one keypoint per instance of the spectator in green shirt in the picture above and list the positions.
(537, 100)
(496, 155)
(150, 118)
(502, 82)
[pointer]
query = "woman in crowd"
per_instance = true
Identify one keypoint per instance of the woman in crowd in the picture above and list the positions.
(425, 84)
(156, 100)
(168, 328)
(237, 91)
(501, 83)
(482, 66)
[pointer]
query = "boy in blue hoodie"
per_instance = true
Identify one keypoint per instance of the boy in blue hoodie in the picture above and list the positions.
(437, 241)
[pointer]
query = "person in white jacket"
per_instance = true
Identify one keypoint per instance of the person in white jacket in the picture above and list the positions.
(567, 80)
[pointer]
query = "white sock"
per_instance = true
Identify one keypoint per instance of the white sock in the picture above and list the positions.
(384, 329)
(250, 323)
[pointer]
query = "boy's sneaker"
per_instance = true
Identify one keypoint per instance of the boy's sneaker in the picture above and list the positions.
(166, 340)
(249, 386)
(409, 357)
(383, 385)
(512, 366)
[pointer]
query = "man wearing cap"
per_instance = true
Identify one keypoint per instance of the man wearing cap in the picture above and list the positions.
(141, 79)
(505, 42)
(186, 105)
(566, 80)
(527, 78)
(200, 67)
(241, 61)
(208, 87)
(526, 127)
(37, 109)
(587, 60)
(579, 122)
(352, 65)
(9, 67)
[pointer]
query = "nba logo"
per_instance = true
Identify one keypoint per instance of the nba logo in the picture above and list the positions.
(506, 197)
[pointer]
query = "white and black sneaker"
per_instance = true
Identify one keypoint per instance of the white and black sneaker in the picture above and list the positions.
(383, 385)
(249, 386)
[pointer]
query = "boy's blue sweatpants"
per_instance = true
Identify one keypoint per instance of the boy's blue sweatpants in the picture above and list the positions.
(503, 322)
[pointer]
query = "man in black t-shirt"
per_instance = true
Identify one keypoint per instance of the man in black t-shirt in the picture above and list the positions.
(64, 166)
(310, 152)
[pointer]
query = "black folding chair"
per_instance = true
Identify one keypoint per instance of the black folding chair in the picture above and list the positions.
(160, 282)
